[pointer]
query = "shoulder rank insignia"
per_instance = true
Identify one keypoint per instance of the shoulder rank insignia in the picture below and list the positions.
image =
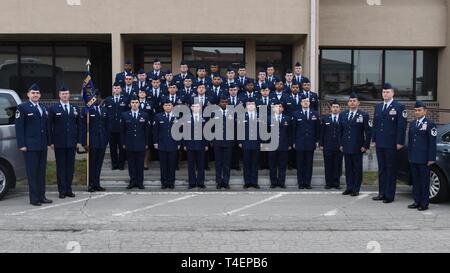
(434, 132)
(17, 114)
(405, 114)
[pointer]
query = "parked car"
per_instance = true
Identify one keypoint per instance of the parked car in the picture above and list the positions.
(12, 165)
(440, 171)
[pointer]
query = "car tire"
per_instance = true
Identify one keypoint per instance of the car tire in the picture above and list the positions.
(438, 185)
(6, 180)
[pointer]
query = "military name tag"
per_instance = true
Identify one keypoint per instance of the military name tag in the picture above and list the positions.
(327, 123)
(109, 106)
(393, 112)
(313, 118)
(148, 107)
(161, 122)
(122, 104)
(30, 114)
(142, 120)
(424, 127)
(360, 120)
(58, 114)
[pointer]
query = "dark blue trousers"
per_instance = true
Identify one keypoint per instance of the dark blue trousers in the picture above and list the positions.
(136, 167)
(387, 173)
(118, 154)
(353, 171)
(65, 165)
(277, 164)
(420, 174)
(251, 167)
(333, 167)
(36, 164)
(223, 163)
(304, 167)
(96, 157)
(168, 166)
(196, 167)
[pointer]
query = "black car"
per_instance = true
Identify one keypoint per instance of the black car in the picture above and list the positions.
(440, 171)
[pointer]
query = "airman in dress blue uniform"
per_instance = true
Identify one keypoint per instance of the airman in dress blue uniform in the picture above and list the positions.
(128, 70)
(313, 97)
(305, 129)
(389, 130)
(279, 157)
(223, 148)
(156, 72)
(146, 105)
(167, 146)
(196, 147)
(265, 100)
(65, 138)
(32, 139)
(355, 141)
(330, 131)
(142, 80)
(251, 145)
(242, 78)
(135, 136)
(271, 78)
(184, 73)
(98, 141)
(115, 106)
(422, 154)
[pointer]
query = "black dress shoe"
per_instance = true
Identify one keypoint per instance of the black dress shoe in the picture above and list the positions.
(46, 201)
(91, 189)
(257, 187)
(273, 186)
(387, 201)
(301, 187)
(227, 187)
(246, 186)
(218, 187)
(337, 187)
(308, 187)
(62, 196)
(202, 187)
(171, 187)
(36, 204)
(191, 187)
(422, 208)
(347, 192)
(70, 195)
(283, 186)
(163, 187)
(413, 206)
(328, 187)
(354, 194)
(146, 168)
(100, 189)
(378, 198)
(130, 186)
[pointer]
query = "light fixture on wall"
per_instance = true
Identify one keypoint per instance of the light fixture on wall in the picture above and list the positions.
(373, 2)
(73, 2)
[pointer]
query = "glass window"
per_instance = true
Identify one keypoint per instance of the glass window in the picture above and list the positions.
(8, 108)
(36, 66)
(446, 138)
(70, 67)
(224, 54)
(145, 54)
(367, 73)
(426, 74)
(9, 76)
(278, 55)
(335, 73)
(400, 72)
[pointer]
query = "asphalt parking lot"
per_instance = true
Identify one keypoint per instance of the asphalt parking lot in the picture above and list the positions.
(219, 221)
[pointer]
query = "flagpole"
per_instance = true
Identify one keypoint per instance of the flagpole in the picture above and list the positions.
(88, 64)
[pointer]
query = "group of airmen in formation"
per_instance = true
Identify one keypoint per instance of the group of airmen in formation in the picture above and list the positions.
(136, 122)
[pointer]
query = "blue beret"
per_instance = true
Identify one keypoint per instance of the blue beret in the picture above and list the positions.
(269, 65)
(63, 88)
(420, 104)
(183, 63)
(250, 100)
(156, 60)
(172, 83)
(214, 64)
(249, 82)
(224, 97)
(241, 66)
(305, 80)
(334, 102)
(216, 75)
(387, 86)
(155, 78)
(297, 64)
(143, 89)
(34, 87)
(353, 95)
(201, 83)
(168, 71)
(264, 86)
(141, 71)
(288, 71)
(229, 69)
(134, 97)
(232, 85)
(127, 62)
(262, 71)
(201, 67)
(277, 80)
(116, 84)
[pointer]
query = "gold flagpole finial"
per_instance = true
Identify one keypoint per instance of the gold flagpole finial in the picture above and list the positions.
(88, 64)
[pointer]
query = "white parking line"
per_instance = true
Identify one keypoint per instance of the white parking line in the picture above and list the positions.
(331, 213)
(56, 205)
(153, 206)
(254, 204)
